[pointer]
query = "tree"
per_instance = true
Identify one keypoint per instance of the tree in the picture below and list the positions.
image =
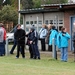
(27, 4)
(8, 14)
(7, 2)
(55, 1)
(1, 3)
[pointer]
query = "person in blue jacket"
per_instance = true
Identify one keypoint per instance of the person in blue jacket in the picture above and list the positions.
(62, 41)
(53, 35)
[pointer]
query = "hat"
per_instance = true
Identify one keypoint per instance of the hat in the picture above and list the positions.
(32, 28)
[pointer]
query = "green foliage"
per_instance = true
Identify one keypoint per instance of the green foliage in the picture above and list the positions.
(8, 14)
(7, 2)
(27, 4)
(37, 3)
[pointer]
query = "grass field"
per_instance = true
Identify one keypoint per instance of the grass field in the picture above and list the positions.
(9, 65)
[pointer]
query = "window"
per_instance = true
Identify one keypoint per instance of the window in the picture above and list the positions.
(55, 21)
(51, 22)
(46, 22)
(35, 22)
(27, 22)
(31, 22)
(40, 22)
(60, 21)
(60, 27)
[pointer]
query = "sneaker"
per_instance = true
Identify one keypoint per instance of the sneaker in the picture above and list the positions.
(38, 57)
(17, 57)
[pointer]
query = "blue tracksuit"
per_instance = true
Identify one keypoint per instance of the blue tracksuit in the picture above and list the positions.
(62, 42)
(52, 36)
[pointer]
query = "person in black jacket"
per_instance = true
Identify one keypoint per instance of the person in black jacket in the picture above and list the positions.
(33, 47)
(20, 37)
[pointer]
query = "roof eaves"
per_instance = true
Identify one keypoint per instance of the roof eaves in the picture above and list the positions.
(58, 4)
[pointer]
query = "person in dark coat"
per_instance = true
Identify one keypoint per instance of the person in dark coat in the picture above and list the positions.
(20, 37)
(15, 43)
(32, 42)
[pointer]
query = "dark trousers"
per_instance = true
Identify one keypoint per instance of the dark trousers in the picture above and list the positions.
(14, 46)
(35, 51)
(22, 50)
(2, 48)
(30, 51)
(37, 54)
(49, 47)
(43, 47)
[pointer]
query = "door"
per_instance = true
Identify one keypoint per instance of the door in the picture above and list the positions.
(72, 29)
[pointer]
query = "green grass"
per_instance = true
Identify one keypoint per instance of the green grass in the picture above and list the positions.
(46, 66)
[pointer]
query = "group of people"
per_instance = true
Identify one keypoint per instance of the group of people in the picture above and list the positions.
(32, 42)
(46, 34)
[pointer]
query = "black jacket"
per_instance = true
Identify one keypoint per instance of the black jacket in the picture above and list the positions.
(20, 36)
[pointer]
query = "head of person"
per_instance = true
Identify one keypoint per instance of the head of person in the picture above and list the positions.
(1, 24)
(32, 29)
(63, 29)
(53, 27)
(18, 26)
(49, 26)
(44, 26)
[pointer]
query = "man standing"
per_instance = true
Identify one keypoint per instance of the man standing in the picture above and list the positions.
(20, 37)
(2, 40)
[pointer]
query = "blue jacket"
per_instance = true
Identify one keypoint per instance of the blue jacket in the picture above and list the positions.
(62, 40)
(52, 36)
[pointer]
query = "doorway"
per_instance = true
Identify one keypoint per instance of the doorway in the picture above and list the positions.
(72, 30)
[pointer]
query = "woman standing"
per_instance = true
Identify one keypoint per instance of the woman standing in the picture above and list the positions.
(62, 41)
(49, 27)
(42, 34)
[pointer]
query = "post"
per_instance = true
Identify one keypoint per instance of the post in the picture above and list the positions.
(6, 48)
(37, 23)
(54, 49)
(18, 10)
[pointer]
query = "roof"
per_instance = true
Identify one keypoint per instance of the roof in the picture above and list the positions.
(59, 4)
(49, 8)
(36, 10)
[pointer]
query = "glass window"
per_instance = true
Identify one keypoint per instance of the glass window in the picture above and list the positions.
(60, 28)
(51, 21)
(40, 22)
(60, 21)
(31, 22)
(46, 22)
(27, 29)
(35, 22)
(55, 21)
(27, 22)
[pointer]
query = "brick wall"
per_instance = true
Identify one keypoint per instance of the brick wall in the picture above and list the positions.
(67, 15)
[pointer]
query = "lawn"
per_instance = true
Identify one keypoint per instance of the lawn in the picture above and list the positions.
(9, 65)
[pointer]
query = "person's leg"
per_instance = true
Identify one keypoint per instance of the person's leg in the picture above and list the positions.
(30, 51)
(18, 49)
(62, 54)
(65, 54)
(15, 43)
(37, 51)
(43, 44)
(50, 48)
(22, 51)
(33, 51)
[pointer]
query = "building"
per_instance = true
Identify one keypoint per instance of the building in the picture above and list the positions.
(56, 14)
